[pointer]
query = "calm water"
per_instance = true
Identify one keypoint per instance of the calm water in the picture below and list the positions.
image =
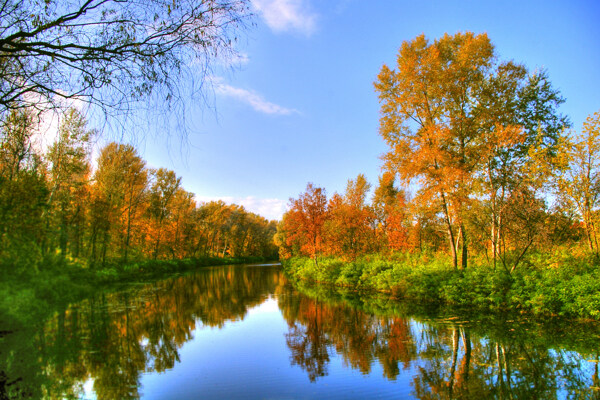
(244, 332)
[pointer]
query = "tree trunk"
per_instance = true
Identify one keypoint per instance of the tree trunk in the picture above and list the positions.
(450, 231)
(464, 248)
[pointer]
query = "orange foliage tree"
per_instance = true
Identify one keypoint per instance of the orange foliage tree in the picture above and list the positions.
(349, 229)
(392, 216)
(302, 226)
(429, 123)
(463, 127)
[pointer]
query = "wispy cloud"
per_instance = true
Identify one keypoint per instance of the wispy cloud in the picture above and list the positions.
(236, 60)
(287, 15)
(255, 100)
(271, 209)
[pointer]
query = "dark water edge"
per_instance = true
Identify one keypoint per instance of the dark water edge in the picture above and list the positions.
(247, 332)
(28, 295)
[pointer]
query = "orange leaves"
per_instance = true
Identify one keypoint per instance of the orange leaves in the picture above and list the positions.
(303, 224)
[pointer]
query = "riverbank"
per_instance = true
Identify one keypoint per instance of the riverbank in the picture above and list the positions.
(28, 294)
(560, 284)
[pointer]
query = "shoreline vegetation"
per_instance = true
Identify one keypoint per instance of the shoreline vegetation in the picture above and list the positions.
(26, 296)
(487, 200)
(562, 285)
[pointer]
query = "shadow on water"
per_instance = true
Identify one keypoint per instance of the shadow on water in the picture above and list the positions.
(113, 339)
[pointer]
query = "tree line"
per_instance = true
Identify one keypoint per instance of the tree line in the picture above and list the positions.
(53, 202)
(480, 162)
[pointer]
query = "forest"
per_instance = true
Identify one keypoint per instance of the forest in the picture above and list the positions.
(487, 197)
(60, 204)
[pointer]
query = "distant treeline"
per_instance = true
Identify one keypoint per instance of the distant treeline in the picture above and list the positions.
(55, 203)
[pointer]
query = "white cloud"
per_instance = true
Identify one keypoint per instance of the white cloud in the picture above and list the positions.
(235, 60)
(287, 15)
(255, 100)
(271, 209)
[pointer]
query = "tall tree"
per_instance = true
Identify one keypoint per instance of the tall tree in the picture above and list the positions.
(70, 169)
(520, 132)
(119, 186)
(429, 123)
(303, 224)
(465, 126)
(162, 192)
(580, 184)
(23, 191)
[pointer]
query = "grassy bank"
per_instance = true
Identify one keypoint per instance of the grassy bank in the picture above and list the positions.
(559, 284)
(28, 294)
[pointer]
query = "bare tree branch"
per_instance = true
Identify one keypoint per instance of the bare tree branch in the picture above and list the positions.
(115, 55)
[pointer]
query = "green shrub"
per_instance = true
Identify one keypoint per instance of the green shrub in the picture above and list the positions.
(565, 283)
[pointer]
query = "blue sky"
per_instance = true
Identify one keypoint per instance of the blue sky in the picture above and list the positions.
(300, 107)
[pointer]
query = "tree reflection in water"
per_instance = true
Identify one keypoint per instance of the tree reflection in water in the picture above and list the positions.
(111, 340)
(446, 360)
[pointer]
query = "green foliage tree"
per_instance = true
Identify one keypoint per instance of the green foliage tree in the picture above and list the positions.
(69, 158)
(23, 191)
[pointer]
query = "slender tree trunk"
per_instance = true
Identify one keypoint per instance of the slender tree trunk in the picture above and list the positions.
(466, 364)
(494, 230)
(156, 246)
(77, 232)
(104, 246)
(450, 231)
(128, 232)
(63, 231)
(93, 238)
(465, 254)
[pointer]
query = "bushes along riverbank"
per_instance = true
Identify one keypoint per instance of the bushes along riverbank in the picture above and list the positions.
(559, 284)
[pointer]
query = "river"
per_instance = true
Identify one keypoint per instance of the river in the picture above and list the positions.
(245, 332)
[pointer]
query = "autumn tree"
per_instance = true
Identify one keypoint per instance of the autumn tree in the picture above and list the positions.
(182, 227)
(349, 229)
(464, 126)
(428, 121)
(579, 186)
(162, 192)
(119, 188)
(303, 223)
(392, 215)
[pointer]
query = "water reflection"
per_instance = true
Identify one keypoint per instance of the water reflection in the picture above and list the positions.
(446, 359)
(113, 338)
(109, 342)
